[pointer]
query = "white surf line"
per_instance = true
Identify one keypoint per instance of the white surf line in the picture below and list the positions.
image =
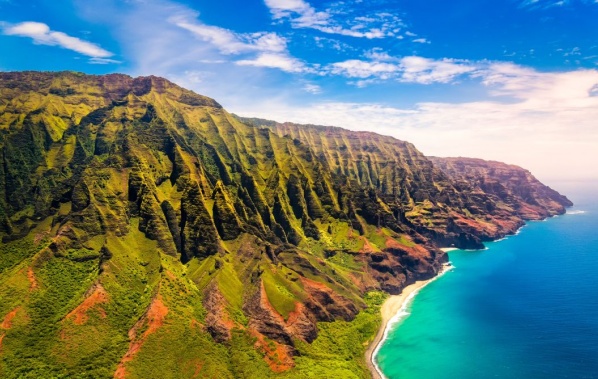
(400, 315)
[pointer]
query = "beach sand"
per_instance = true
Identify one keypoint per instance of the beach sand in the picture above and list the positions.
(389, 309)
(447, 249)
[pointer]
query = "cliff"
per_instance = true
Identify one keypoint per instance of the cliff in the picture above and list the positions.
(147, 232)
(453, 201)
(515, 189)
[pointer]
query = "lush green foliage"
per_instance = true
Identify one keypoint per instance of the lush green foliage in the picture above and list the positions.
(146, 232)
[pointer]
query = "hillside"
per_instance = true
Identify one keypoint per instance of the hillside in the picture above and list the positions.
(438, 197)
(147, 232)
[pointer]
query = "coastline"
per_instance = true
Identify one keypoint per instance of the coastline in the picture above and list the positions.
(391, 310)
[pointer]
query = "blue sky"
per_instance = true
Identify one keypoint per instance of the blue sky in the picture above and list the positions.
(510, 80)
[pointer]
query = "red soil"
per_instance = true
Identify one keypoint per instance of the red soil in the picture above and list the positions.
(308, 283)
(7, 322)
(38, 237)
(198, 367)
(98, 296)
(154, 317)
(32, 280)
(276, 355)
(367, 246)
(294, 315)
(414, 251)
(196, 324)
(170, 275)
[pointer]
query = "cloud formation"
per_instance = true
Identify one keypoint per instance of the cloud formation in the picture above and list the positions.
(280, 61)
(41, 34)
(302, 15)
(271, 48)
(227, 41)
(410, 69)
(545, 4)
(314, 89)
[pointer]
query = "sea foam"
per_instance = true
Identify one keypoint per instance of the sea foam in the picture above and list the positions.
(576, 212)
(402, 314)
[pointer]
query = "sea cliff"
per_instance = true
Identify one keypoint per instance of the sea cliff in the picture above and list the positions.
(147, 231)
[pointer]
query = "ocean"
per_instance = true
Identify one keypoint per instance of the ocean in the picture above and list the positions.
(526, 307)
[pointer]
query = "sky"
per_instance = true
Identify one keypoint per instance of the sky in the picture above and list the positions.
(508, 80)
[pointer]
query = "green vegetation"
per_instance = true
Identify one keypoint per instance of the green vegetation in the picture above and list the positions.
(339, 351)
(146, 232)
(31, 353)
(15, 252)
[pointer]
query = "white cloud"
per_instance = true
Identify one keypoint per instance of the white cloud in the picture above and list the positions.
(412, 69)
(548, 126)
(427, 71)
(302, 15)
(355, 68)
(285, 8)
(378, 54)
(542, 4)
(41, 34)
(314, 89)
(271, 48)
(227, 41)
(324, 42)
(168, 38)
(280, 61)
(103, 61)
(545, 4)
(421, 40)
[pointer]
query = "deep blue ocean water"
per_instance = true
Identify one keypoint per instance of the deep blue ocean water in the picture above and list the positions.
(527, 307)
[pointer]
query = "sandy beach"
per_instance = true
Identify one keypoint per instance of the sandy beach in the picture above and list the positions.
(389, 309)
(447, 249)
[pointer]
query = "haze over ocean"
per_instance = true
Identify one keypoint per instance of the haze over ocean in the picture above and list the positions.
(527, 307)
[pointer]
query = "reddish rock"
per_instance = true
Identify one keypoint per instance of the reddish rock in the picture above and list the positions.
(218, 322)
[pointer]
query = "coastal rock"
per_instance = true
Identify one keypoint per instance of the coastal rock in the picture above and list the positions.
(509, 185)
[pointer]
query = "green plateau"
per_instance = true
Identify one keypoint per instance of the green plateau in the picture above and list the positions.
(147, 232)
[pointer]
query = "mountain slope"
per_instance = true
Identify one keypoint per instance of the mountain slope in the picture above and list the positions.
(146, 232)
(447, 206)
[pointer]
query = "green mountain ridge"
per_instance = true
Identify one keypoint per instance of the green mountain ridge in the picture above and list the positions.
(147, 232)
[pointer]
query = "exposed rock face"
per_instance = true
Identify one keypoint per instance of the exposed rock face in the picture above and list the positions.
(507, 185)
(398, 265)
(326, 304)
(218, 322)
(227, 231)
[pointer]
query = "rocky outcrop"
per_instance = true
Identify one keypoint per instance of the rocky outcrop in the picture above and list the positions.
(509, 186)
(218, 322)
(399, 265)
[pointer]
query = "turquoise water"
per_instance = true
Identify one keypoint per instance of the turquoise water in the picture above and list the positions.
(527, 307)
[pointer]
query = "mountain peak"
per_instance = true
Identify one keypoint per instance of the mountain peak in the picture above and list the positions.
(111, 86)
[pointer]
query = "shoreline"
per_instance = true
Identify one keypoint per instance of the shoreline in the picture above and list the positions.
(391, 313)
